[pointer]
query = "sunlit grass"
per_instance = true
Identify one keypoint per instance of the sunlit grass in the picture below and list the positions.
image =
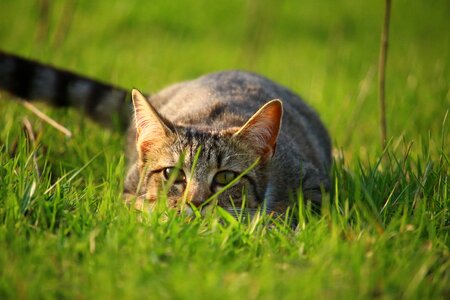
(383, 230)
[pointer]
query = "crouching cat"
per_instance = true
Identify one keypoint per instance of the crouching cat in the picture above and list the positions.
(228, 129)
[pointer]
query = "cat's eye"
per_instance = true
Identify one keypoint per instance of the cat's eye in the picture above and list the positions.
(171, 171)
(224, 177)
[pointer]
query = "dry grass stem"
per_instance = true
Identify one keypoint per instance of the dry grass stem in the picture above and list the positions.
(382, 71)
(47, 119)
(30, 133)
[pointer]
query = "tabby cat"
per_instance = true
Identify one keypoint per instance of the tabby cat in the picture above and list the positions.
(239, 129)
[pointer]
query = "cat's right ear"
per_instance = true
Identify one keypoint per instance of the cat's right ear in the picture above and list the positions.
(151, 128)
(262, 129)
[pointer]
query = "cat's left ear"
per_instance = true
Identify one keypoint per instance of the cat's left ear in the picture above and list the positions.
(151, 127)
(262, 129)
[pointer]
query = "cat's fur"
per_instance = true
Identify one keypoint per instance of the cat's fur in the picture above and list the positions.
(227, 115)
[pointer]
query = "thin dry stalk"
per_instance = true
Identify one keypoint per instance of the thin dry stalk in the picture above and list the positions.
(382, 71)
(30, 133)
(46, 118)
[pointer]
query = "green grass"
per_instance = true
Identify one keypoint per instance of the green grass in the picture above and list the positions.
(384, 229)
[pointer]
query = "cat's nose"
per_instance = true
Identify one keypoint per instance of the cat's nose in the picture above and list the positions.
(198, 194)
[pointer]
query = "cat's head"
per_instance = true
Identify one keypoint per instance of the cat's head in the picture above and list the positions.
(191, 164)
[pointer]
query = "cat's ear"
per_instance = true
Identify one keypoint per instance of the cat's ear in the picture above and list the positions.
(151, 128)
(261, 130)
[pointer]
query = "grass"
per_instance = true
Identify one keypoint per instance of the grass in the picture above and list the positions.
(383, 231)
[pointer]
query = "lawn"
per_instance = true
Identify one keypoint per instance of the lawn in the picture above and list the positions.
(383, 231)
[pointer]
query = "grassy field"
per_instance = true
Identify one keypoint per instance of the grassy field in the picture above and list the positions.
(383, 231)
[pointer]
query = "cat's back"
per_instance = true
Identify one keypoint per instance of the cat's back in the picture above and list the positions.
(238, 92)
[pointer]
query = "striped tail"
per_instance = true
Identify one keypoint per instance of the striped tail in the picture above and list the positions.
(30, 80)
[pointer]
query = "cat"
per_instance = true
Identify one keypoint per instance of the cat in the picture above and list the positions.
(239, 129)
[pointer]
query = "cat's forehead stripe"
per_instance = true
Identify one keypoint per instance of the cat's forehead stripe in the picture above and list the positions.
(212, 146)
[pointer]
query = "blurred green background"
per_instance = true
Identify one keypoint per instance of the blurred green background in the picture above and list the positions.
(327, 51)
